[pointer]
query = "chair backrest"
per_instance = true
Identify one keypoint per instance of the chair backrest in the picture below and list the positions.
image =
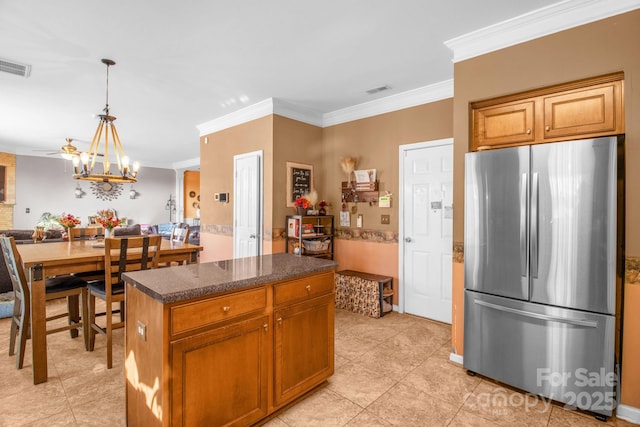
(13, 262)
(83, 233)
(180, 233)
(128, 230)
(125, 254)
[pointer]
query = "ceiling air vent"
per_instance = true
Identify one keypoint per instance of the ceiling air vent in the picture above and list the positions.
(378, 89)
(15, 68)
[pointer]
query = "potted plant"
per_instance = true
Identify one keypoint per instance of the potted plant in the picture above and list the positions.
(323, 210)
(302, 204)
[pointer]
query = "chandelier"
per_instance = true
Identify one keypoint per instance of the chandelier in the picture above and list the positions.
(84, 165)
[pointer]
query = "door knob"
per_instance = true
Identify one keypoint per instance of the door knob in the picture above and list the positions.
(408, 239)
(252, 236)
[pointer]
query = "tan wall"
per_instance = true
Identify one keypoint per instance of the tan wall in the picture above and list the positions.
(216, 176)
(281, 140)
(216, 247)
(374, 142)
(298, 142)
(370, 257)
(598, 48)
(6, 208)
(191, 184)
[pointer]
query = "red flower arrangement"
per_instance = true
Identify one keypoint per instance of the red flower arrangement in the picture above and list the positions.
(68, 221)
(301, 202)
(322, 203)
(110, 222)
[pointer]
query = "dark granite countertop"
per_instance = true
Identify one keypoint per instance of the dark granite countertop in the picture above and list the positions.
(185, 282)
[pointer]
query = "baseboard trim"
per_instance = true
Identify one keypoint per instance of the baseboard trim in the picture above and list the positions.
(628, 413)
(456, 358)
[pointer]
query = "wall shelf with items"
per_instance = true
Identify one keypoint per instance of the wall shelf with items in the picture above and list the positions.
(355, 192)
(310, 235)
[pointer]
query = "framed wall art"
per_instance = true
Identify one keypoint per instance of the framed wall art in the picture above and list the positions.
(299, 181)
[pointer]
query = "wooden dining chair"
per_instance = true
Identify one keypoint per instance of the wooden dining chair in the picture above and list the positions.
(84, 233)
(179, 234)
(87, 233)
(64, 286)
(122, 255)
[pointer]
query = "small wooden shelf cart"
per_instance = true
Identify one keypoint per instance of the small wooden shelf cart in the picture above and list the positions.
(310, 235)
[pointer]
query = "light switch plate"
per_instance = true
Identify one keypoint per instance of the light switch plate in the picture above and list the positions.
(385, 219)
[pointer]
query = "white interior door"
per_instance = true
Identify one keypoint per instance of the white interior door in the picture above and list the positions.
(427, 228)
(247, 204)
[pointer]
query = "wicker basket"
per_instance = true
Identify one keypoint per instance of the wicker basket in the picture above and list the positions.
(316, 246)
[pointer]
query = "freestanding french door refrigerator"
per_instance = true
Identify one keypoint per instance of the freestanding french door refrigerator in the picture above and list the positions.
(540, 269)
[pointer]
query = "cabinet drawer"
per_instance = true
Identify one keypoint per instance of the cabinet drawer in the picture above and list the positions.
(306, 288)
(202, 313)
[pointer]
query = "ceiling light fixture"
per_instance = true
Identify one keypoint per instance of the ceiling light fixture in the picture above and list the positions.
(105, 133)
(68, 151)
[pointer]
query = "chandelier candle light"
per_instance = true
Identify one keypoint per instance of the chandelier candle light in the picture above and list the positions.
(105, 133)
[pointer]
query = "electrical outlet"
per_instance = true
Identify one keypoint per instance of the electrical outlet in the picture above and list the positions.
(385, 219)
(142, 330)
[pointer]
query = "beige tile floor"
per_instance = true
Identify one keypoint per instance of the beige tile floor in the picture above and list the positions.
(393, 371)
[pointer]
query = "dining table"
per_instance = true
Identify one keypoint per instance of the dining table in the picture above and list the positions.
(42, 260)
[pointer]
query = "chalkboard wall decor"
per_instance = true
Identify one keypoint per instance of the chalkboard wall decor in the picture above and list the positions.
(299, 181)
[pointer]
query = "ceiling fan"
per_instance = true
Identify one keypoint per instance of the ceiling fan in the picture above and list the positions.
(67, 151)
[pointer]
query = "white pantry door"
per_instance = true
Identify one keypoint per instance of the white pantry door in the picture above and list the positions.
(247, 204)
(427, 229)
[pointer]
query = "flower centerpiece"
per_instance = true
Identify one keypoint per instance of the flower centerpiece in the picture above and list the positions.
(67, 222)
(302, 204)
(108, 220)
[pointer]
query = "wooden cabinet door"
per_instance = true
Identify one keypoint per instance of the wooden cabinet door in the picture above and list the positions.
(592, 110)
(221, 377)
(503, 125)
(303, 347)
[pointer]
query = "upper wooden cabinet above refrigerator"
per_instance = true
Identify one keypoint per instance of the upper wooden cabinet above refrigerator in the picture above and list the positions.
(581, 109)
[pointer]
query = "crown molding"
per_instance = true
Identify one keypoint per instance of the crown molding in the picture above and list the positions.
(538, 23)
(243, 115)
(297, 112)
(411, 98)
(262, 109)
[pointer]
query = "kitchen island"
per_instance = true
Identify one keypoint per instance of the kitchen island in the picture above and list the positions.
(227, 342)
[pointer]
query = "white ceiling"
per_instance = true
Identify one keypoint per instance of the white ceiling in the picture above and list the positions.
(181, 64)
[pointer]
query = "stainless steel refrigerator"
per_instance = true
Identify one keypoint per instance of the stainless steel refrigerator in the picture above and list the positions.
(542, 267)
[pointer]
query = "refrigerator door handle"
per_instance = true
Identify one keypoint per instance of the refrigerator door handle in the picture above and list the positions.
(523, 225)
(534, 226)
(576, 322)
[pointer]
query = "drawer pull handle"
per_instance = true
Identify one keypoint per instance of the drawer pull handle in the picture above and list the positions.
(529, 131)
(279, 320)
(226, 308)
(309, 288)
(547, 128)
(266, 327)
